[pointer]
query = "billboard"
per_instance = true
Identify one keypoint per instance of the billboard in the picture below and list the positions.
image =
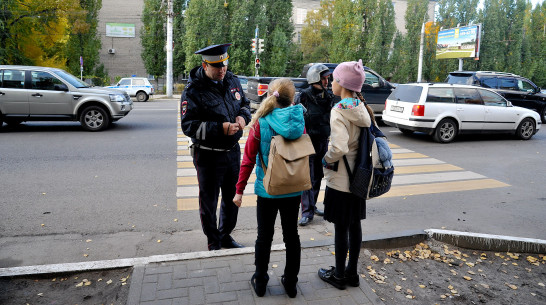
(120, 29)
(459, 42)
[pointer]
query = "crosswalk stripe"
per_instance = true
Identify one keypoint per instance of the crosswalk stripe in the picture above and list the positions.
(412, 169)
(408, 156)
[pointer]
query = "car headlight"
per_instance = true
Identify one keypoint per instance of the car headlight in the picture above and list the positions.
(117, 98)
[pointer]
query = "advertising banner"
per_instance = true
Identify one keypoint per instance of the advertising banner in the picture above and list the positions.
(120, 30)
(460, 42)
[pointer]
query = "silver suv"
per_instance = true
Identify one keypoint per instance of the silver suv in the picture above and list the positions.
(30, 93)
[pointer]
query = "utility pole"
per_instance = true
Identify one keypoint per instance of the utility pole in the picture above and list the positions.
(256, 60)
(421, 44)
(169, 49)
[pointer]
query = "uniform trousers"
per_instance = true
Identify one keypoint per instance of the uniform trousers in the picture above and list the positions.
(309, 198)
(266, 214)
(217, 170)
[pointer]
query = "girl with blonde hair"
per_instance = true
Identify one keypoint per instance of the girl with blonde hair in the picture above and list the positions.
(276, 116)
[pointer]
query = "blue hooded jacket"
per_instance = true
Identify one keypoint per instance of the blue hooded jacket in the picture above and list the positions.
(287, 122)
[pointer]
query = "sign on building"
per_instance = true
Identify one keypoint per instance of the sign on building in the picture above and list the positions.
(120, 29)
(459, 42)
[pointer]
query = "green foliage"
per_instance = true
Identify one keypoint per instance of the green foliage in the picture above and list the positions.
(347, 29)
(153, 37)
(179, 54)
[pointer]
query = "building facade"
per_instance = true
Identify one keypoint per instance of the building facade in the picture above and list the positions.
(120, 23)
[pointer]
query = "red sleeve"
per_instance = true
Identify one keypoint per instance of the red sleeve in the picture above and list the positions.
(249, 158)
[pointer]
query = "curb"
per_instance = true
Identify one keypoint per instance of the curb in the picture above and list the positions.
(469, 240)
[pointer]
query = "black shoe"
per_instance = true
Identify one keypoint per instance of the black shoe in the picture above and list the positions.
(230, 244)
(290, 289)
(259, 287)
(319, 212)
(305, 221)
(328, 275)
(353, 280)
(214, 247)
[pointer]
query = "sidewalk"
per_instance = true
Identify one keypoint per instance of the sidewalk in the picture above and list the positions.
(226, 280)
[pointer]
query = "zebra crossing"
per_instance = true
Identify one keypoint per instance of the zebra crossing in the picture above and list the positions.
(415, 174)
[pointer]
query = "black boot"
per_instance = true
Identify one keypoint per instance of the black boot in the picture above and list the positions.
(259, 285)
(289, 287)
(328, 275)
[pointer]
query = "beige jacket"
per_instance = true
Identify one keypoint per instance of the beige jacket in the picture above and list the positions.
(345, 125)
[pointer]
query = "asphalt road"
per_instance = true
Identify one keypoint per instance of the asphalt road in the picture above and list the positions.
(69, 195)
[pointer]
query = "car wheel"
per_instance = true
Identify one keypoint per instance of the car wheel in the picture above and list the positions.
(94, 118)
(526, 129)
(141, 96)
(445, 131)
(407, 132)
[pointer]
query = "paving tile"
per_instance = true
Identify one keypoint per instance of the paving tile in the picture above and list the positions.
(172, 293)
(221, 297)
(196, 295)
(165, 281)
(181, 283)
(158, 269)
(148, 292)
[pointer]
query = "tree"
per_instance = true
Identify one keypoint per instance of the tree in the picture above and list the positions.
(179, 54)
(84, 41)
(316, 35)
(416, 15)
(381, 31)
(347, 29)
(153, 37)
(277, 31)
(241, 33)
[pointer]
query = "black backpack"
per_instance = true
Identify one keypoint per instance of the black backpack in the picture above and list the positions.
(368, 181)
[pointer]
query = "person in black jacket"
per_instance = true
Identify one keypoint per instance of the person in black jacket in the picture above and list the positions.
(214, 111)
(318, 102)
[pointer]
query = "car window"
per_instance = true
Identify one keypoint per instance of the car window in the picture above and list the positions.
(462, 79)
(508, 83)
(13, 79)
(125, 82)
(406, 93)
(138, 82)
(468, 96)
(371, 79)
(44, 81)
(492, 99)
(71, 79)
(489, 82)
(440, 95)
(525, 86)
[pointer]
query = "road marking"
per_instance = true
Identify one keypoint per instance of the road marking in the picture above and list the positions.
(415, 174)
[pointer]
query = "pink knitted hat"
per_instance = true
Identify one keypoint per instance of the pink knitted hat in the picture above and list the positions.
(350, 75)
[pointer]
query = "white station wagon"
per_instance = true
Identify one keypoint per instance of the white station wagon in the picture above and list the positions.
(446, 110)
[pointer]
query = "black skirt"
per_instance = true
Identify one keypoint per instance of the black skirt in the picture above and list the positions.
(342, 207)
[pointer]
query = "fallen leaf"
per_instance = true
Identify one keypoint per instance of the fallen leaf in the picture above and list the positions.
(85, 255)
(485, 286)
(409, 296)
(79, 285)
(471, 272)
(453, 291)
(274, 266)
(311, 238)
(398, 288)
(41, 294)
(42, 225)
(541, 284)
(88, 241)
(109, 282)
(374, 258)
(511, 286)
(159, 240)
(468, 278)
(422, 286)
(470, 264)
(450, 287)
(176, 220)
(87, 283)
(443, 296)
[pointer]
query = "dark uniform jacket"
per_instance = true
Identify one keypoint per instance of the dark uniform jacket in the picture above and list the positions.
(317, 117)
(205, 106)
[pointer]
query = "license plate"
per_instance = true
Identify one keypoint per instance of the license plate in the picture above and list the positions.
(397, 109)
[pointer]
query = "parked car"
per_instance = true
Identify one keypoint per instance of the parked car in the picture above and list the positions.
(375, 88)
(244, 82)
(518, 90)
(30, 93)
(138, 87)
(445, 111)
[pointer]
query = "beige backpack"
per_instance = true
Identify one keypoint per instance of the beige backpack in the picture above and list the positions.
(288, 165)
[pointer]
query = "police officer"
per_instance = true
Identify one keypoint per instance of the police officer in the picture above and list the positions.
(214, 112)
(318, 102)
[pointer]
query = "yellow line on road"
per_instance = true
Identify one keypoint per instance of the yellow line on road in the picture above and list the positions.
(443, 187)
(187, 181)
(186, 204)
(408, 156)
(425, 169)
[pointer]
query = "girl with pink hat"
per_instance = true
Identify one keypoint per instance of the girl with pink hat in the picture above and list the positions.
(341, 207)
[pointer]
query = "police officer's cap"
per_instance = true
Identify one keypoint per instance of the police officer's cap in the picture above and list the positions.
(215, 55)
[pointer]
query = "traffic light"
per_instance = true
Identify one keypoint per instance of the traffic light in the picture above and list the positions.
(260, 45)
(253, 45)
(257, 63)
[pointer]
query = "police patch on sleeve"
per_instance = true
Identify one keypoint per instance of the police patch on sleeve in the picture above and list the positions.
(238, 96)
(184, 107)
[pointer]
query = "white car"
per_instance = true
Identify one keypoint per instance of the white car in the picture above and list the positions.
(446, 110)
(138, 87)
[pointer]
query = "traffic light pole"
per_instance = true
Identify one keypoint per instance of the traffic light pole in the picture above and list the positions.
(257, 48)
